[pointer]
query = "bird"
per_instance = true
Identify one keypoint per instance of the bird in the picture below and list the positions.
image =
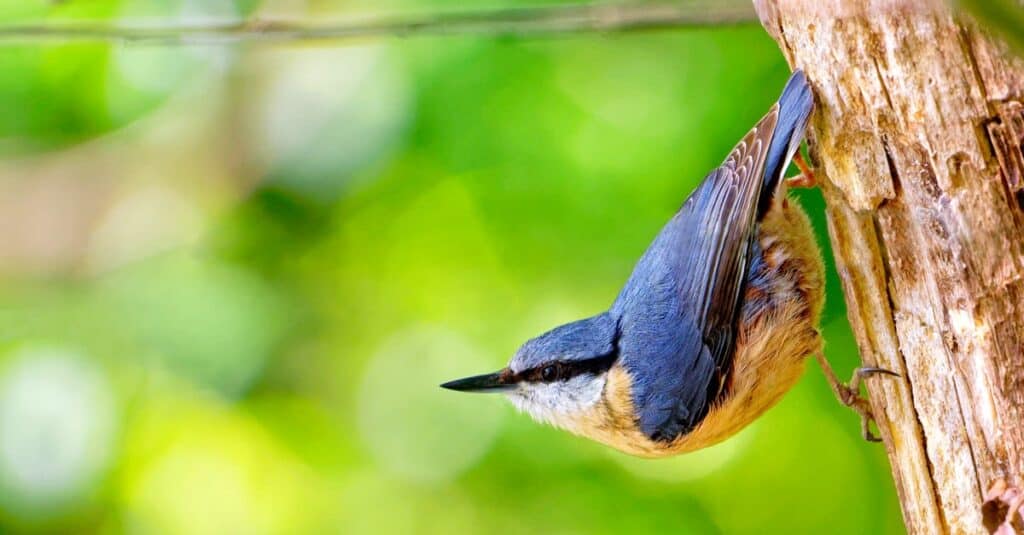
(714, 324)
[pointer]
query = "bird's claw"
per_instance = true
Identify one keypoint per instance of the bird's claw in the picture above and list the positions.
(849, 393)
(860, 405)
(850, 396)
(806, 177)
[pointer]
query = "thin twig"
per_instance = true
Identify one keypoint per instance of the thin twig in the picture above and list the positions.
(497, 22)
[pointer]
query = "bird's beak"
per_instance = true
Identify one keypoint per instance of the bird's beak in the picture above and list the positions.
(501, 381)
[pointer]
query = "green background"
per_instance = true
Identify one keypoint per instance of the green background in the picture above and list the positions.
(233, 276)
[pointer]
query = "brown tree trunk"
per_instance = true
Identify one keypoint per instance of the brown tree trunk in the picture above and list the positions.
(918, 140)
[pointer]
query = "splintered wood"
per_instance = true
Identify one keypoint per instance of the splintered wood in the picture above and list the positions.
(918, 139)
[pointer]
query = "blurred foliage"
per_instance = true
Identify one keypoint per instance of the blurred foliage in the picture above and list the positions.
(1003, 17)
(234, 276)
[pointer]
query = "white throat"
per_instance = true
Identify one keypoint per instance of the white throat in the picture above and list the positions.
(561, 403)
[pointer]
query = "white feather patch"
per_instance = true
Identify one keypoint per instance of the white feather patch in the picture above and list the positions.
(562, 403)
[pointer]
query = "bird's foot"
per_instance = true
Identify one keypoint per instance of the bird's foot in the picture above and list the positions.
(806, 177)
(849, 393)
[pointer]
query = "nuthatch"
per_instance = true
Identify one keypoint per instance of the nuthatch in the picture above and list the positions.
(712, 327)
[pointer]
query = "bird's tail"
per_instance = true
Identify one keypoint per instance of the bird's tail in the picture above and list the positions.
(795, 107)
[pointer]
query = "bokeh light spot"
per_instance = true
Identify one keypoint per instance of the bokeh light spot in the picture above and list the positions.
(213, 322)
(57, 426)
(199, 469)
(145, 222)
(328, 113)
(410, 425)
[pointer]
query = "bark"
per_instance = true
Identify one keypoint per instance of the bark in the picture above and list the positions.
(917, 140)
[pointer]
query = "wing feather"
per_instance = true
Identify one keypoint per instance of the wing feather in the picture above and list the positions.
(717, 255)
(677, 313)
(692, 277)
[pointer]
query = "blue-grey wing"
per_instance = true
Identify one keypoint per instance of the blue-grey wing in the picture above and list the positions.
(678, 311)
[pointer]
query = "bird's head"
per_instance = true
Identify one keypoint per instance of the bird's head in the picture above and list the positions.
(558, 377)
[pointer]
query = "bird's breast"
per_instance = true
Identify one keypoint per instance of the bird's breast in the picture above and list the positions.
(778, 325)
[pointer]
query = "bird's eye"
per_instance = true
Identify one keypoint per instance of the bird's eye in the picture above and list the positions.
(549, 373)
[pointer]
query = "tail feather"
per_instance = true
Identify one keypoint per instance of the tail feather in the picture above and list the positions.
(795, 106)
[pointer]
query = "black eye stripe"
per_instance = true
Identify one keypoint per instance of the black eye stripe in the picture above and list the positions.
(567, 369)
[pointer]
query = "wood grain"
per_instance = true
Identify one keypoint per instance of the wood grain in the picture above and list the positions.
(918, 140)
